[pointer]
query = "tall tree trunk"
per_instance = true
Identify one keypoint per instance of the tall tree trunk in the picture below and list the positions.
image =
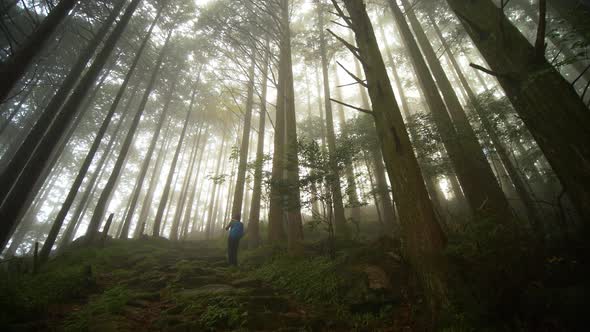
(243, 161)
(43, 124)
(58, 222)
(13, 68)
(351, 191)
(519, 184)
(276, 232)
(294, 220)
(13, 202)
(90, 188)
(146, 163)
(481, 189)
(105, 196)
(254, 218)
(166, 193)
(209, 226)
(341, 227)
(423, 238)
(176, 230)
(191, 198)
(536, 90)
(146, 206)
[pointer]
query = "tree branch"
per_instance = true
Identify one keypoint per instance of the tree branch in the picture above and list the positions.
(359, 81)
(353, 107)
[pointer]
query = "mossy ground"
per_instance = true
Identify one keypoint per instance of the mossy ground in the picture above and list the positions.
(157, 285)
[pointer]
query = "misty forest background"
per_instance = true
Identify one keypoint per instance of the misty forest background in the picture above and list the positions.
(449, 138)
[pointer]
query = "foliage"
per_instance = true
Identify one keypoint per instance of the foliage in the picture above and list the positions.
(96, 314)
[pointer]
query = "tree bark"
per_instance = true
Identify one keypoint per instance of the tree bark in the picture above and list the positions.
(422, 236)
(254, 218)
(537, 91)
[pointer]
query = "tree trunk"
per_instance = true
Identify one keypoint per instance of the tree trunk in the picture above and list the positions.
(166, 193)
(422, 236)
(209, 226)
(43, 124)
(90, 188)
(146, 163)
(276, 232)
(58, 222)
(294, 220)
(14, 68)
(481, 189)
(243, 161)
(176, 230)
(254, 218)
(191, 199)
(13, 202)
(341, 227)
(537, 91)
(102, 203)
(519, 184)
(351, 191)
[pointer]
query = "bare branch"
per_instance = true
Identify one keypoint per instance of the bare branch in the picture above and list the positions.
(359, 81)
(353, 107)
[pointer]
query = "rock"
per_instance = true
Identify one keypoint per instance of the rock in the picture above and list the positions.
(378, 279)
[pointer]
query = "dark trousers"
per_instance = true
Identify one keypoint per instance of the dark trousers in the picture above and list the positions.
(232, 250)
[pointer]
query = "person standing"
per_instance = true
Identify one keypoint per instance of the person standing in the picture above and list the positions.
(236, 231)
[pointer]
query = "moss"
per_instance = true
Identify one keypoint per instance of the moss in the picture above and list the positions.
(98, 313)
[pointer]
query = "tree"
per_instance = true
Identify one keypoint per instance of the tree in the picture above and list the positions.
(101, 205)
(15, 67)
(339, 217)
(17, 181)
(423, 238)
(531, 83)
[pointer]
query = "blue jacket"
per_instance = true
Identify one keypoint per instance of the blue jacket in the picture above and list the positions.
(236, 229)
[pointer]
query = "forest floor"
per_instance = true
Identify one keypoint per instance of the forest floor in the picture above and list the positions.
(158, 285)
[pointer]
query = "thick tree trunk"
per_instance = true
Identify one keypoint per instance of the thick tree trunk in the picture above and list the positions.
(105, 196)
(167, 186)
(13, 69)
(537, 91)
(276, 232)
(294, 220)
(13, 202)
(422, 236)
(243, 159)
(340, 225)
(254, 218)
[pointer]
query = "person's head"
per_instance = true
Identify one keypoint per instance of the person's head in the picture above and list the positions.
(237, 216)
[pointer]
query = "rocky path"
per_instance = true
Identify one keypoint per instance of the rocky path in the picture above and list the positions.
(186, 288)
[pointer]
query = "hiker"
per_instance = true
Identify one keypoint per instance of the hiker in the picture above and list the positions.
(236, 231)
